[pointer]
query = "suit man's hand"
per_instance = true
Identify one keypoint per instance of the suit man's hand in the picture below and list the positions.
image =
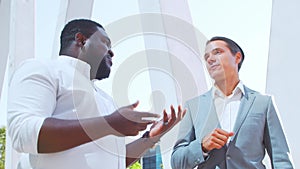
(216, 139)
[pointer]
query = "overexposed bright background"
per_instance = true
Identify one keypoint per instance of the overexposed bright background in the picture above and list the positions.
(246, 22)
(234, 19)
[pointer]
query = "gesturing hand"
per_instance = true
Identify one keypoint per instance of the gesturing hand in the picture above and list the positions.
(217, 139)
(128, 122)
(161, 127)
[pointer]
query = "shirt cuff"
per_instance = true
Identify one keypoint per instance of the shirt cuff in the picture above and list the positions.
(205, 155)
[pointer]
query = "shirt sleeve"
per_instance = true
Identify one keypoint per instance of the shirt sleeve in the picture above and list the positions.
(31, 99)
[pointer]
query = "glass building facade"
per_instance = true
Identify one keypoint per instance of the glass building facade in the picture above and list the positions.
(152, 159)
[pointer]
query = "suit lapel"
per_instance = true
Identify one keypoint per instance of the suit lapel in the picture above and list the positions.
(246, 103)
(211, 121)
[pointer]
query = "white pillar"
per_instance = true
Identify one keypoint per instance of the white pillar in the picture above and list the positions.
(18, 24)
(282, 75)
(5, 8)
(4, 34)
(70, 9)
(174, 59)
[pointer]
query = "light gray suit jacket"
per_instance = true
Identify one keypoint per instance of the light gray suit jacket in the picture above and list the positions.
(257, 128)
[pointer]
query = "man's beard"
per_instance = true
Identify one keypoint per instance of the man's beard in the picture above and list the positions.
(103, 71)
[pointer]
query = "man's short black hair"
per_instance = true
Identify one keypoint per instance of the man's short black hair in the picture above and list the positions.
(233, 46)
(85, 26)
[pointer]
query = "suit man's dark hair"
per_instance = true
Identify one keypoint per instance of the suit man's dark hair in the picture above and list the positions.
(233, 46)
(84, 26)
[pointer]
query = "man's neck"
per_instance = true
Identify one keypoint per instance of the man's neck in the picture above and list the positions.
(227, 86)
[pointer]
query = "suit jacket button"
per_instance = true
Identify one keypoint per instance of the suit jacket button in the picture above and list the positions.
(228, 157)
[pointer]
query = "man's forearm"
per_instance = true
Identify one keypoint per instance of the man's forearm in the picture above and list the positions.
(59, 135)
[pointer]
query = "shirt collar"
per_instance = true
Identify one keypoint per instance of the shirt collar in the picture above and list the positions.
(216, 92)
(79, 65)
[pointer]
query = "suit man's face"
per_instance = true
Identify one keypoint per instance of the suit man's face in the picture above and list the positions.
(220, 62)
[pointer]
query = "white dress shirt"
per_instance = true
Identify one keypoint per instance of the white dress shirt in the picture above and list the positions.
(60, 88)
(227, 107)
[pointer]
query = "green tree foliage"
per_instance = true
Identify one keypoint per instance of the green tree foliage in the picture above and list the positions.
(136, 165)
(2, 147)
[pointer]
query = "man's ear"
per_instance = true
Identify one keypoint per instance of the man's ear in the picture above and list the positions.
(80, 39)
(238, 57)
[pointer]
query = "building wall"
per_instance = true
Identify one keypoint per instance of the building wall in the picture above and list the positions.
(283, 79)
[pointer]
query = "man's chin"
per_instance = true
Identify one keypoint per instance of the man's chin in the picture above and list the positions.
(102, 77)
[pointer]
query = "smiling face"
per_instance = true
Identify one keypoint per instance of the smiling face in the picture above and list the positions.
(220, 62)
(96, 51)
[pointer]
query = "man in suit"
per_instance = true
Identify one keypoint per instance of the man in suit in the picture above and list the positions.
(230, 126)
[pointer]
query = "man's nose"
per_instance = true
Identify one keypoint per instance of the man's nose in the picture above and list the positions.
(211, 59)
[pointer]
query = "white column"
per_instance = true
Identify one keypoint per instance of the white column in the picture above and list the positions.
(18, 23)
(17, 32)
(174, 59)
(4, 34)
(70, 9)
(283, 73)
(5, 8)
